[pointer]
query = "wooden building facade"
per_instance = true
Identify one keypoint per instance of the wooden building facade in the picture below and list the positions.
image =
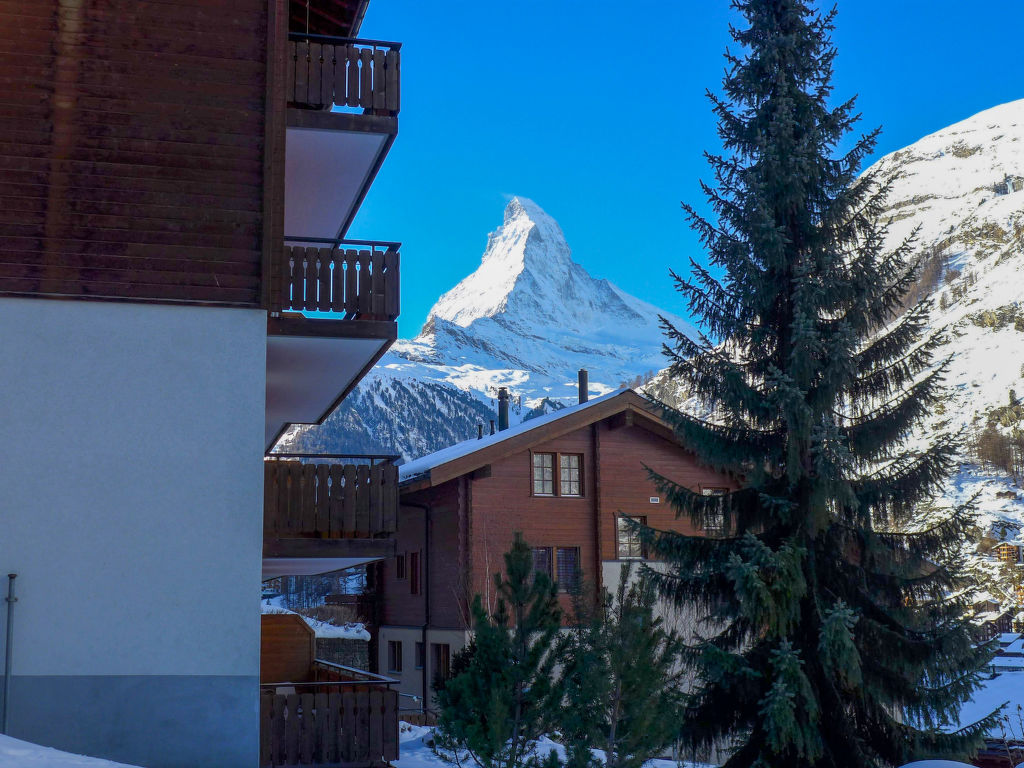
(564, 481)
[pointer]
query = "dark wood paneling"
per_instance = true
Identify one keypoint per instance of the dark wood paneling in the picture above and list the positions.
(287, 648)
(131, 149)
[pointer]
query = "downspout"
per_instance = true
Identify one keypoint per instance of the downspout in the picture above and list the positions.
(8, 650)
(426, 593)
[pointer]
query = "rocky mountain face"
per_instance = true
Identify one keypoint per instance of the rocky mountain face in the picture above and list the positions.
(528, 318)
(962, 191)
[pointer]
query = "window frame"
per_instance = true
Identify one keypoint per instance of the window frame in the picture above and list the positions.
(437, 656)
(556, 475)
(562, 585)
(421, 654)
(395, 653)
(414, 573)
(400, 569)
(550, 558)
(642, 519)
(719, 491)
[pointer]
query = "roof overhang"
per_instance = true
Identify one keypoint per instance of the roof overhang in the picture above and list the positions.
(312, 365)
(331, 159)
(626, 409)
(310, 557)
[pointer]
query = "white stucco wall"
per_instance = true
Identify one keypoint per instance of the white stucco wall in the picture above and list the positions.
(131, 486)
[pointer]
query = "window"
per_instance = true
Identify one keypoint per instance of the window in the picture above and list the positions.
(568, 562)
(414, 573)
(558, 474)
(714, 517)
(394, 655)
(399, 566)
(442, 661)
(630, 546)
(421, 656)
(569, 476)
(542, 560)
(544, 474)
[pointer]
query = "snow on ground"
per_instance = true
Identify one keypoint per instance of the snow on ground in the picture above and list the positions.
(415, 752)
(15, 753)
(350, 631)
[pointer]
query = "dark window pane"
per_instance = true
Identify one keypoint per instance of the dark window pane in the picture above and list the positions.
(714, 516)
(394, 656)
(414, 573)
(542, 560)
(568, 568)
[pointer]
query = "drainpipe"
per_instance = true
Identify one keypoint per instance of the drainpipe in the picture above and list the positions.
(426, 594)
(8, 650)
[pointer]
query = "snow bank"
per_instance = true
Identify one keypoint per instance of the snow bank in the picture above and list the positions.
(15, 753)
(349, 631)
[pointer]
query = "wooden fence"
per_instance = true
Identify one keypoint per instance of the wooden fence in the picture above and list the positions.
(329, 725)
(331, 501)
(355, 283)
(346, 73)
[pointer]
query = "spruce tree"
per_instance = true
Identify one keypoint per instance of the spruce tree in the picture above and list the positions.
(621, 680)
(834, 629)
(502, 697)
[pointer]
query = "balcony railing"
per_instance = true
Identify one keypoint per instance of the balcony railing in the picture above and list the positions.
(356, 279)
(345, 717)
(332, 498)
(326, 72)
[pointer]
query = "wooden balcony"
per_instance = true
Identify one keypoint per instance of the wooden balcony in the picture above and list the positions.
(320, 714)
(335, 72)
(333, 310)
(331, 512)
(342, 97)
(350, 279)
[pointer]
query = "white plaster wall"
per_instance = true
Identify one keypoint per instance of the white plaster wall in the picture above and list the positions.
(131, 486)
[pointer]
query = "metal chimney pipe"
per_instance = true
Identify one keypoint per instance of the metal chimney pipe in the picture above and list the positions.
(584, 385)
(8, 651)
(492, 426)
(502, 409)
(479, 431)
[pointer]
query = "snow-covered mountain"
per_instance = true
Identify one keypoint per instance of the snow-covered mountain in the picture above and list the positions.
(528, 318)
(962, 189)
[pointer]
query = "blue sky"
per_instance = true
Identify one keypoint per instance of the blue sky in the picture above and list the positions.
(596, 111)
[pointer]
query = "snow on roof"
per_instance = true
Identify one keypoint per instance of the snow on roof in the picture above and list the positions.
(424, 464)
(15, 753)
(1006, 688)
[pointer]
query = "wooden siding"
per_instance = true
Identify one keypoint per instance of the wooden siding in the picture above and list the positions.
(287, 648)
(131, 149)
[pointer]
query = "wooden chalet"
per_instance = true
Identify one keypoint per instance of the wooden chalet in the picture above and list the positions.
(564, 480)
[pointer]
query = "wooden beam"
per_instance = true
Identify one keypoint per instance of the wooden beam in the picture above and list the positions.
(328, 548)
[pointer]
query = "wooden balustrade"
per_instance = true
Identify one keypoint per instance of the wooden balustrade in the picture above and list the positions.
(327, 724)
(344, 73)
(331, 501)
(355, 283)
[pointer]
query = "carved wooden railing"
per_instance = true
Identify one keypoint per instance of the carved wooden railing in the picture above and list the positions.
(329, 500)
(345, 718)
(356, 279)
(326, 72)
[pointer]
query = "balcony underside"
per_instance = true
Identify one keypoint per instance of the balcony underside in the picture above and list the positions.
(337, 555)
(331, 158)
(312, 364)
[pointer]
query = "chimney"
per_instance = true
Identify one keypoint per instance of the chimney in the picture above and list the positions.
(584, 385)
(479, 431)
(502, 408)
(492, 426)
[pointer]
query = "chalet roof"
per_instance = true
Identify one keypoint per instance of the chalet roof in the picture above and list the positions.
(469, 455)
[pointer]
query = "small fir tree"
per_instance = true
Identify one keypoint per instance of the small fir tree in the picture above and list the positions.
(621, 679)
(833, 636)
(501, 699)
